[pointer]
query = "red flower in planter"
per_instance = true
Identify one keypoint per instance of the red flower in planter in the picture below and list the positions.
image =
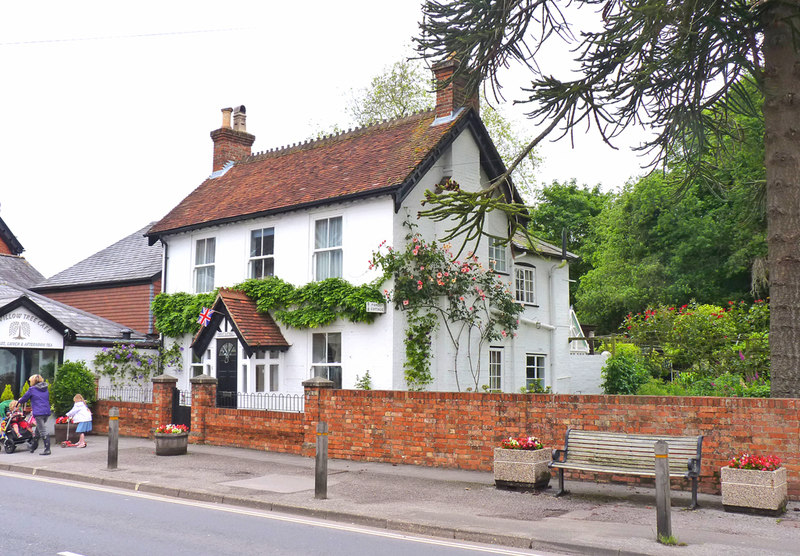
(760, 463)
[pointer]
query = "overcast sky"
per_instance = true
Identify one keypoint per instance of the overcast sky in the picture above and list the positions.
(107, 107)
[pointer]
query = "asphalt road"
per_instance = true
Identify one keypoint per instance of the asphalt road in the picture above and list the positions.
(50, 517)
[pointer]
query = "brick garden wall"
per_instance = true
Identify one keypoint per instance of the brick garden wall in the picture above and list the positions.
(460, 430)
(137, 418)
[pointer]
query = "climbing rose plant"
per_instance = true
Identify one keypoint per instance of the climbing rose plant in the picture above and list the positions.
(468, 302)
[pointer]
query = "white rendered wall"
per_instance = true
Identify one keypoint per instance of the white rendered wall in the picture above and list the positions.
(365, 224)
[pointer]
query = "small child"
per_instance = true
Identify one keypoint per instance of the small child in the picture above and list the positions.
(17, 418)
(80, 415)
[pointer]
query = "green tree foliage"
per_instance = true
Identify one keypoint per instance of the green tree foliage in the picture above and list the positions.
(402, 89)
(676, 68)
(574, 209)
(73, 377)
(660, 243)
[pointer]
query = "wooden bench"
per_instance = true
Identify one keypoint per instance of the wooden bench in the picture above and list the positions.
(627, 454)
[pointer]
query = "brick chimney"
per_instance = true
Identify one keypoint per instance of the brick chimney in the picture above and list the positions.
(451, 94)
(231, 143)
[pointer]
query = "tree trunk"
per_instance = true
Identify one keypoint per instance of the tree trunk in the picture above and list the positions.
(782, 159)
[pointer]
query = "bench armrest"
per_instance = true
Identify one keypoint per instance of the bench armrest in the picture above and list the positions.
(693, 466)
(559, 456)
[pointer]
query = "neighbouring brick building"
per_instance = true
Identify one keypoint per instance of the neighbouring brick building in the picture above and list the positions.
(117, 283)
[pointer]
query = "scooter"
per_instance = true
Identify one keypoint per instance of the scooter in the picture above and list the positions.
(68, 444)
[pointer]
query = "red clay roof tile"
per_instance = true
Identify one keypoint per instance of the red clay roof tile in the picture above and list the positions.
(258, 330)
(363, 161)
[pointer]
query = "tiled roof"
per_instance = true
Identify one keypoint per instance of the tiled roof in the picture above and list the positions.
(259, 330)
(256, 330)
(365, 161)
(17, 270)
(86, 326)
(129, 259)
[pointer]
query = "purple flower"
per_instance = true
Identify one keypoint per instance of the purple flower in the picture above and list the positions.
(149, 360)
(741, 355)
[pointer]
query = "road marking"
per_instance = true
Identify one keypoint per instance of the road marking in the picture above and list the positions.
(267, 514)
(68, 554)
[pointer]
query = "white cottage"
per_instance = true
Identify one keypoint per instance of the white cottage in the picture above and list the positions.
(318, 210)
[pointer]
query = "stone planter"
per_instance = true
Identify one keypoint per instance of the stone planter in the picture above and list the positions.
(60, 433)
(753, 491)
(521, 469)
(171, 444)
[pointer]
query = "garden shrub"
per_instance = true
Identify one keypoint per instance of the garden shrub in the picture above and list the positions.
(656, 387)
(73, 377)
(624, 374)
(8, 394)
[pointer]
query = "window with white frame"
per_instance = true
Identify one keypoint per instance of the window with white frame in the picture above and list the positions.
(534, 371)
(204, 255)
(326, 356)
(197, 364)
(497, 256)
(262, 251)
(495, 369)
(267, 368)
(328, 248)
(525, 279)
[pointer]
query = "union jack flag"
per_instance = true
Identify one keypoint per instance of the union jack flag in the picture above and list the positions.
(205, 316)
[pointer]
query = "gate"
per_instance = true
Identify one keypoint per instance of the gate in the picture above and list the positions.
(181, 408)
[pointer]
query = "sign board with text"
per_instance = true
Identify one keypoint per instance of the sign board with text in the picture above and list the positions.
(22, 329)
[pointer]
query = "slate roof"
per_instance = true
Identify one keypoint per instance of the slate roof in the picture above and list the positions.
(540, 247)
(380, 159)
(17, 270)
(128, 260)
(254, 329)
(85, 326)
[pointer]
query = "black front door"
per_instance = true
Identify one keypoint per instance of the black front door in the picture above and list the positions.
(227, 379)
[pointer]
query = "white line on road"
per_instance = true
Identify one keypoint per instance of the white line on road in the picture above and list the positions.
(270, 515)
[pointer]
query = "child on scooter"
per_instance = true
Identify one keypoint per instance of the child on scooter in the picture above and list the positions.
(80, 415)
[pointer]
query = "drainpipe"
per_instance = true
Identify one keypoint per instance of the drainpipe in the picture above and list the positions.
(554, 357)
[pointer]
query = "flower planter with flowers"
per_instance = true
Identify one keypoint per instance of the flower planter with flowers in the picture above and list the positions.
(171, 440)
(754, 484)
(521, 463)
(65, 430)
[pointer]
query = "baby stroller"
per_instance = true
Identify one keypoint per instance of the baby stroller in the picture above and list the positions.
(10, 439)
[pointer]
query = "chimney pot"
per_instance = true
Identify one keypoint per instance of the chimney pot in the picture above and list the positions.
(239, 118)
(226, 118)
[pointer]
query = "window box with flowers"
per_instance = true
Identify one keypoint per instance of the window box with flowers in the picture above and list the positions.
(754, 484)
(171, 440)
(521, 463)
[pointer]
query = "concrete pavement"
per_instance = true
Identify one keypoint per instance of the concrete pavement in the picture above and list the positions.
(593, 519)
